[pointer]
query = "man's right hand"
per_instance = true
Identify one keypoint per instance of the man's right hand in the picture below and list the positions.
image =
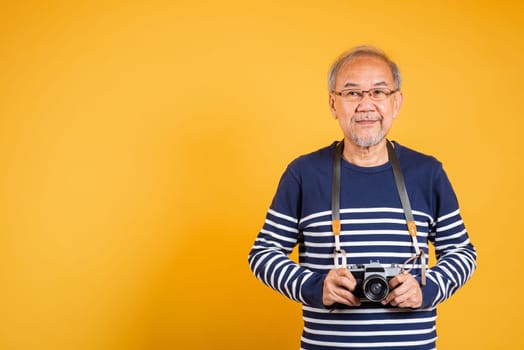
(338, 285)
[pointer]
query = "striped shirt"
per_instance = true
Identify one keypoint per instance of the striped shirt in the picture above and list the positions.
(373, 229)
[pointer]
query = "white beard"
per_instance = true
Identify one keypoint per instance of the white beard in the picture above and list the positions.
(368, 141)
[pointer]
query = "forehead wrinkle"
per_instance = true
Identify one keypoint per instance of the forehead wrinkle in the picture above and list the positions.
(353, 85)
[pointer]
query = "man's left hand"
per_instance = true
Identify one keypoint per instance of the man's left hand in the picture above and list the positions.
(405, 293)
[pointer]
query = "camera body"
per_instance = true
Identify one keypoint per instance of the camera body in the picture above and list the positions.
(373, 280)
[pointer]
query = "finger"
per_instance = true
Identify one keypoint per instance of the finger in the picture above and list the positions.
(401, 298)
(345, 279)
(401, 286)
(345, 273)
(337, 287)
(345, 297)
(408, 294)
(348, 284)
(413, 301)
(398, 280)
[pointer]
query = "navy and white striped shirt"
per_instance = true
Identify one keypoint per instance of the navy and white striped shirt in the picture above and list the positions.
(373, 229)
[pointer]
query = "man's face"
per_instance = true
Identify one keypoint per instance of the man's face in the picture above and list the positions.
(365, 122)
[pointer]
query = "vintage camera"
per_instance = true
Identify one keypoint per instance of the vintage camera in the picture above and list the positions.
(373, 280)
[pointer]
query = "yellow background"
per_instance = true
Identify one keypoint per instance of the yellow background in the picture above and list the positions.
(142, 141)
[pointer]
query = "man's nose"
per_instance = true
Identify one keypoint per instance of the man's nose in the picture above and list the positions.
(366, 103)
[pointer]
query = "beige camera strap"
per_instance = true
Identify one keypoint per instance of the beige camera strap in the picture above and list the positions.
(339, 253)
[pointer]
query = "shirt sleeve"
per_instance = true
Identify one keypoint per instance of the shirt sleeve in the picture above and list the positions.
(456, 255)
(269, 257)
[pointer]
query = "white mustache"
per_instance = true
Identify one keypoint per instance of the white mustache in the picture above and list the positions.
(367, 116)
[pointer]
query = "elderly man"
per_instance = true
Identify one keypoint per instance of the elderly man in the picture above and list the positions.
(362, 212)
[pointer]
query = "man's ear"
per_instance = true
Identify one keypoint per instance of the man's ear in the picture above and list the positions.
(332, 107)
(397, 103)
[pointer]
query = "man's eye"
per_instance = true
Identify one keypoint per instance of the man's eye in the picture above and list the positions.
(378, 93)
(351, 93)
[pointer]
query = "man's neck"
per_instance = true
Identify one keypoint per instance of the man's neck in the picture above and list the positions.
(366, 156)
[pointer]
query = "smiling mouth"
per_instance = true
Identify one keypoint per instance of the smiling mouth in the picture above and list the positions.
(367, 121)
(366, 118)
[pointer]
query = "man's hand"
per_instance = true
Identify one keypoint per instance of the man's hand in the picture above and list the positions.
(406, 292)
(338, 285)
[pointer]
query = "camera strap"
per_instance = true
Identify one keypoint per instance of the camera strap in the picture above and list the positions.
(339, 253)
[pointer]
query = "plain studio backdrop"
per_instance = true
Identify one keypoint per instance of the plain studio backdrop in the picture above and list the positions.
(141, 143)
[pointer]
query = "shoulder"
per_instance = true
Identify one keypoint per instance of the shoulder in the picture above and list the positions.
(319, 158)
(409, 158)
(313, 165)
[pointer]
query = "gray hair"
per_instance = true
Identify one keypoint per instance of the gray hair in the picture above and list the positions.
(361, 51)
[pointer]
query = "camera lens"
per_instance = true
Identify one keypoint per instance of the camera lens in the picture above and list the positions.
(375, 288)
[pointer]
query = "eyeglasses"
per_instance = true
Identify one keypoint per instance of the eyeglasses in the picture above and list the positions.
(355, 95)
